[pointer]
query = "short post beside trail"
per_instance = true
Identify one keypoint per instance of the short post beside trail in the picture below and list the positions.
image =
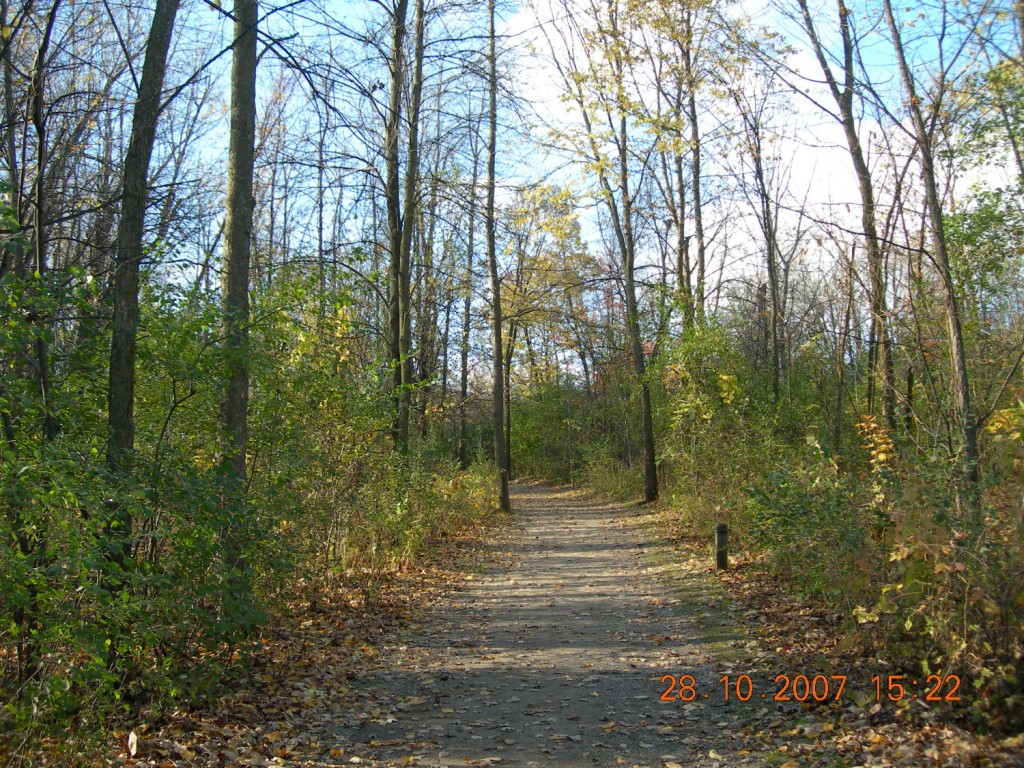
(722, 546)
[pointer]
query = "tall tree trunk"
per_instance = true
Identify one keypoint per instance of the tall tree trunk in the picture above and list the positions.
(498, 385)
(127, 261)
(690, 74)
(751, 114)
(960, 384)
(430, 354)
(321, 255)
(238, 240)
(771, 256)
(683, 266)
(37, 99)
(128, 248)
(30, 538)
(11, 261)
(841, 345)
(393, 203)
(880, 351)
(510, 345)
(410, 205)
(1018, 12)
(402, 201)
(628, 247)
(622, 224)
(467, 305)
(636, 339)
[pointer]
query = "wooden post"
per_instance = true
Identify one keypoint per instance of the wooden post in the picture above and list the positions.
(722, 546)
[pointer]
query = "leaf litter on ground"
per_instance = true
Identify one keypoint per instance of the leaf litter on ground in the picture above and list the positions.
(799, 635)
(298, 673)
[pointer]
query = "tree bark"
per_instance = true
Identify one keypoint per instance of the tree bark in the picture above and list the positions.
(622, 224)
(628, 248)
(393, 204)
(466, 308)
(128, 248)
(410, 205)
(37, 105)
(501, 458)
(695, 167)
(12, 261)
(751, 115)
(401, 202)
(510, 345)
(881, 350)
(238, 239)
(960, 384)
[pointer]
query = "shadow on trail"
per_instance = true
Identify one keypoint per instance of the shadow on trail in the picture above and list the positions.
(558, 660)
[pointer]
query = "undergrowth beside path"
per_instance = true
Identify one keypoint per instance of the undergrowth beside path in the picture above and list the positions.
(813, 636)
(580, 632)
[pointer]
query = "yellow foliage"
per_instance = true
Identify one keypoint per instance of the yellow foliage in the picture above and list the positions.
(728, 386)
(878, 443)
(1008, 422)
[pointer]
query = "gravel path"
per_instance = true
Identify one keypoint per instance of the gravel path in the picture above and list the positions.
(558, 658)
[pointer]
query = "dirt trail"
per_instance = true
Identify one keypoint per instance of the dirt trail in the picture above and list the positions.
(558, 659)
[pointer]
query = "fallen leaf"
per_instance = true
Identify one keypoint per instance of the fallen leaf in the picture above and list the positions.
(133, 744)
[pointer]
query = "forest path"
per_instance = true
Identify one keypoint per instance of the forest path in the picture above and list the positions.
(558, 659)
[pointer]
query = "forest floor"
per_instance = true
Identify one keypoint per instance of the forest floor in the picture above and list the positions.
(557, 651)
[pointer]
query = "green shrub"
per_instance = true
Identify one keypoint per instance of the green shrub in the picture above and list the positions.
(818, 531)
